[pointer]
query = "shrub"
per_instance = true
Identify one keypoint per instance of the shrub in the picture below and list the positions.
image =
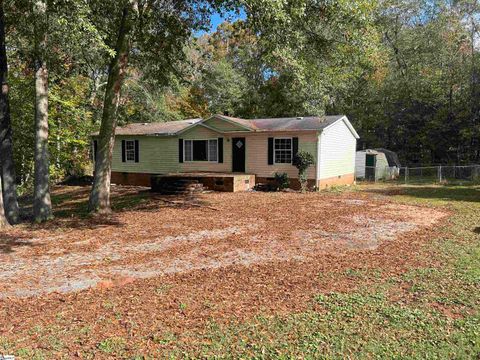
(302, 161)
(282, 180)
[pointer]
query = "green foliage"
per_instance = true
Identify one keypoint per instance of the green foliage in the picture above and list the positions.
(405, 73)
(302, 161)
(282, 180)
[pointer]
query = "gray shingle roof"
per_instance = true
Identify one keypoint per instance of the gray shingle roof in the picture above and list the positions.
(314, 123)
(160, 128)
(295, 123)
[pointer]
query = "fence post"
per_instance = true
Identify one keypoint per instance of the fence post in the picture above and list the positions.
(406, 174)
(440, 174)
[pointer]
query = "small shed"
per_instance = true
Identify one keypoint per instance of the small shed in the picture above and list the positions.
(377, 164)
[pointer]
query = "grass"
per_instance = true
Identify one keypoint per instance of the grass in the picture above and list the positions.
(425, 313)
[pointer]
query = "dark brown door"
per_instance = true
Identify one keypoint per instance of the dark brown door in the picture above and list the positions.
(238, 154)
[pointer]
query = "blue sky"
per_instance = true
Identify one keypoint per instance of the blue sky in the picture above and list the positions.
(217, 19)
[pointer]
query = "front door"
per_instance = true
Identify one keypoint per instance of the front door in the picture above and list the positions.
(238, 154)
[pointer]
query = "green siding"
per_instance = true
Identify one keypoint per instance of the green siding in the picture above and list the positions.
(157, 155)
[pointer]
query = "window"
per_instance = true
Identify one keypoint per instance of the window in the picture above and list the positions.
(283, 150)
(201, 150)
(130, 150)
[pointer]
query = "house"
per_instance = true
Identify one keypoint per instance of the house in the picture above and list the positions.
(258, 148)
(377, 164)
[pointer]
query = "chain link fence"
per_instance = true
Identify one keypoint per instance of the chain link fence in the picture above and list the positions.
(469, 174)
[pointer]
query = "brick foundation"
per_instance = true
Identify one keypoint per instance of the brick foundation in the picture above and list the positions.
(348, 179)
(233, 183)
(134, 179)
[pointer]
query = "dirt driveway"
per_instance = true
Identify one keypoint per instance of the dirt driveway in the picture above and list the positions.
(156, 236)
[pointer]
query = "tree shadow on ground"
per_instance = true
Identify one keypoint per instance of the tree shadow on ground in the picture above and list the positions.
(8, 243)
(439, 192)
(70, 206)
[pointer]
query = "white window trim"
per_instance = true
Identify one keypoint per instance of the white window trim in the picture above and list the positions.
(208, 151)
(134, 151)
(275, 151)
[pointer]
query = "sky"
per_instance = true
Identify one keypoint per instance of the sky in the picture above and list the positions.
(217, 19)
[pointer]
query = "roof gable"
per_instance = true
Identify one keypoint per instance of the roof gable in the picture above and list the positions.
(228, 123)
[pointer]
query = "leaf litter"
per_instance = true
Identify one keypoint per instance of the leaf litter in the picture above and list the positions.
(241, 253)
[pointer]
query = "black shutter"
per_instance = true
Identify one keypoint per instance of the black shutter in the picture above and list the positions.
(220, 150)
(294, 146)
(270, 151)
(180, 150)
(137, 157)
(95, 149)
(123, 151)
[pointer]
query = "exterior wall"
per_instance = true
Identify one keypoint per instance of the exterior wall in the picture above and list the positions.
(360, 159)
(337, 148)
(157, 155)
(201, 133)
(381, 165)
(257, 154)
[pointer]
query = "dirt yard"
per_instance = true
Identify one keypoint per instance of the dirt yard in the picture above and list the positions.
(237, 230)
(172, 263)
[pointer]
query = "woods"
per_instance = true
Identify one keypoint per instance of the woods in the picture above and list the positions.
(404, 72)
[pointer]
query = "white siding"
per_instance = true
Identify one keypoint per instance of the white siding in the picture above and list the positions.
(360, 164)
(381, 164)
(337, 147)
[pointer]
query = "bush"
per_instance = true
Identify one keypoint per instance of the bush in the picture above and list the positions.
(282, 180)
(302, 161)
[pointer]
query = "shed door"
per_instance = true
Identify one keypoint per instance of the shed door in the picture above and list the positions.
(370, 162)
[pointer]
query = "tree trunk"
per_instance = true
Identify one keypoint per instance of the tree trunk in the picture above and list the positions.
(42, 206)
(7, 165)
(3, 219)
(100, 195)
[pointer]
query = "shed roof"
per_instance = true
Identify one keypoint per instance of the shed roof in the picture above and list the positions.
(392, 157)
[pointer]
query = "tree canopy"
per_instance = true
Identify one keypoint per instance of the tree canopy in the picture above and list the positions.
(406, 72)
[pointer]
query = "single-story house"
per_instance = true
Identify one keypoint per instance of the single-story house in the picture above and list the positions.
(377, 164)
(228, 145)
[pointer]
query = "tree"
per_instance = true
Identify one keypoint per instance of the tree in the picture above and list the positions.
(42, 205)
(6, 143)
(302, 161)
(158, 33)
(3, 219)
(100, 195)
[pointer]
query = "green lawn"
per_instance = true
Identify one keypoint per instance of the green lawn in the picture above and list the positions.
(426, 313)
